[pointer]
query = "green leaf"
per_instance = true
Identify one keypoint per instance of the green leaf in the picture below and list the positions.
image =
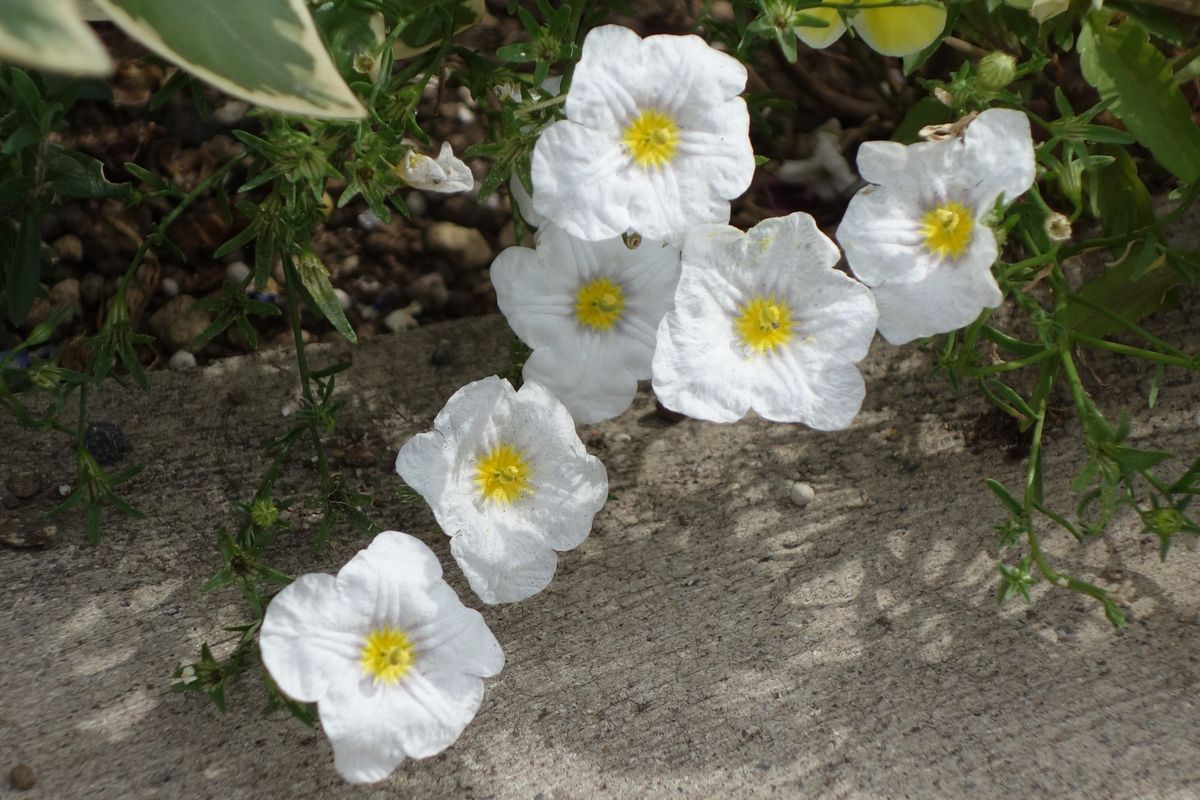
(1131, 72)
(79, 176)
(426, 23)
(23, 268)
(267, 51)
(1117, 195)
(1134, 459)
(1122, 293)
(50, 35)
(315, 278)
(1001, 492)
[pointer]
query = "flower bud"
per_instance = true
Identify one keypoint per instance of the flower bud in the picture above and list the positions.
(1058, 227)
(996, 70)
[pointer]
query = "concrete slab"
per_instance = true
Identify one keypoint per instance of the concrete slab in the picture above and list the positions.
(709, 639)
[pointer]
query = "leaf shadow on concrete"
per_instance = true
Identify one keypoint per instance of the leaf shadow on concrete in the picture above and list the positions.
(709, 638)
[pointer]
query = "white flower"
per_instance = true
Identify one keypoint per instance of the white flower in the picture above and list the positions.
(386, 650)
(590, 311)
(509, 480)
(762, 321)
(656, 139)
(919, 238)
(446, 175)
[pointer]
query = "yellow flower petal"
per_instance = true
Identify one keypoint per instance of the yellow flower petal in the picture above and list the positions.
(820, 38)
(900, 30)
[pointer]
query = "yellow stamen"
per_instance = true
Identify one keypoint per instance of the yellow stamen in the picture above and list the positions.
(599, 304)
(764, 324)
(947, 229)
(387, 654)
(503, 475)
(651, 138)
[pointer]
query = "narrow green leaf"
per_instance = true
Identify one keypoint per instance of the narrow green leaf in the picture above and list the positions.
(1001, 492)
(315, 278)
(23, 268)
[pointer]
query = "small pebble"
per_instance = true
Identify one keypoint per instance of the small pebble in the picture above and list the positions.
(368, 221)
(416, 202)
(69, 248)
(182, 360)
(21, 777)
(21, 484)
(403, 319)
(64, 489)
(232, 112)
(169, 287)
(801, 493)
(463, 246)
(343, 299)
(237, 272)
(359, 457)
(430, 290)
(91, 289)
(177, 324)
(105, 441)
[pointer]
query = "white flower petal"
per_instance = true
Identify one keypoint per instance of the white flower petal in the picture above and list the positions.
(565, 485)
(998, 152)
(585, 179)
(373, 727)
(593, 372)
(836, 318)
(951, 297)
(537, 299)
(881, 234)
(524, 201)
(445, 175)
(824, 395)
(703, 369)
(461, 642)
(504, 567)
(879, 161)
(310, 634)
(318, 630)
(580, 181)
(592, 389)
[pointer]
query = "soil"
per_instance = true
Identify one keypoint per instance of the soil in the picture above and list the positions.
(384, 267)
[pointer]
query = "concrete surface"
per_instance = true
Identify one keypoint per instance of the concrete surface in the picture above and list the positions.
(710, 639)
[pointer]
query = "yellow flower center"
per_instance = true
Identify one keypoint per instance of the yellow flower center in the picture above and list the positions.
(387, 655)
(502, 475)
(599, 304)
(651, 138)
(947, 229)
(765, 323)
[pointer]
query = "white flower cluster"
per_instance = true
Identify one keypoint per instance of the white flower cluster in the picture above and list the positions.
(635, 274)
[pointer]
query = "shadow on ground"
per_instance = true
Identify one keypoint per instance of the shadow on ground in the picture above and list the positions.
(710, 638)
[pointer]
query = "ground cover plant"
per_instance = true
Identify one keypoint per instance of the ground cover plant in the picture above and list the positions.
(925, 170)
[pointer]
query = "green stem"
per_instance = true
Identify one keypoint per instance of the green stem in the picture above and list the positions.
(156, 235)
(1148, 355)
(1009, 343)
(1130, 326)
(1193, 193)
(291, 281)
(1008, 366)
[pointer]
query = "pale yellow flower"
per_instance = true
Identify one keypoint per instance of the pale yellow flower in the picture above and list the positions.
(892, 30)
